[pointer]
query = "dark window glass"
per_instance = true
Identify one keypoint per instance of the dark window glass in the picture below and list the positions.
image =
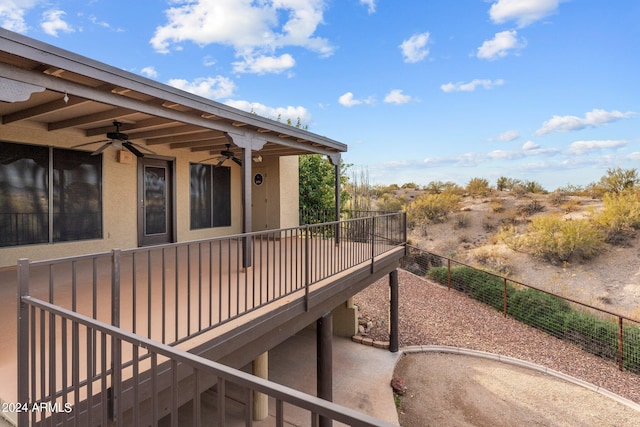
(210, 196)
(25, 205)
(77, 195)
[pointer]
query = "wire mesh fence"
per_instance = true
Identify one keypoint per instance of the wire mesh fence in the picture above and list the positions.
(597, 331)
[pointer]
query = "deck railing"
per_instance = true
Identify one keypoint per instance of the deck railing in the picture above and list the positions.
(168, 294)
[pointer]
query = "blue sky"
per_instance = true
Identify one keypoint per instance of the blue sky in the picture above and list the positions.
(438, 90)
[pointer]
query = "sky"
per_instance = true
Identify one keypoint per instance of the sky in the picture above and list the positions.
(420, 91)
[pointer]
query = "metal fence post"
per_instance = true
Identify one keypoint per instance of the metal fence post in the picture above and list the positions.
(620, 344)
(505, 297)
(116, 353)
(373, 241)
(448, 274)
(23, 341)
(307, 273)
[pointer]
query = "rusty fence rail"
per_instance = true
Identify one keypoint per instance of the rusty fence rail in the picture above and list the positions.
(601, 332)
(91, 392)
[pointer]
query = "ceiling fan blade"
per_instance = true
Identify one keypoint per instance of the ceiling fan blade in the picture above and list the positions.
(101, 149)
(129, 146)
(142, 147)
(89, 143)
(237, 160)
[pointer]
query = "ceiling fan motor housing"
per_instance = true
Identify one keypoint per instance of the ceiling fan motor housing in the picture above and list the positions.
(117, 135)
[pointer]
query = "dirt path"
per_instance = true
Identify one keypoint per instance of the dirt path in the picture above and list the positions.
(455, 390)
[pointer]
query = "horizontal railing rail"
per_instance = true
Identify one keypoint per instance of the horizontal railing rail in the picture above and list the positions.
(596, 330)
(90, 394)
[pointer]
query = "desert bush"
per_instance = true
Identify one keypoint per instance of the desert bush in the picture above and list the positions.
(433, 207)
(391, 203)
(557, 198)
(461, 220)
(620, 216)
(540, 310)
(555, 240)
(528, 209)
(570, 205)
(497, 205)
(510, 236)
(478, 187)
(618, 180)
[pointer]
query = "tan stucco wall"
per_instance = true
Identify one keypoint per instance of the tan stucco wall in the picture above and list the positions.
(289, 192)
(119, 197)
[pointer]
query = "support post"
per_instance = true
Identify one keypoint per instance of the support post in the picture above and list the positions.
(260, 368)
(246, 204)
(394, 311)
(23, 340)
(325, 362)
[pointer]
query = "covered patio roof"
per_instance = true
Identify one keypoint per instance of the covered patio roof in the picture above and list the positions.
(60, 90)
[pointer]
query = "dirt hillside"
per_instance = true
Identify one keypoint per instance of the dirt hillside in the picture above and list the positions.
(610, 281)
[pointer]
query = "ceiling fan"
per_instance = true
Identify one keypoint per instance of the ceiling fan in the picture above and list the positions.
(225, 155)
(118, 140)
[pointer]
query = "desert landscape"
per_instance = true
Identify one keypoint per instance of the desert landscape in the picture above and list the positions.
(471, 235)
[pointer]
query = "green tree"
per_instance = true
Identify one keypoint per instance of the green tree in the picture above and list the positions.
(317, 183)
(617, 180)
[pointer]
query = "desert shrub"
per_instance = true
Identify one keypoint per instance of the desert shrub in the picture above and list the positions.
(478, 187)
(497, 205)
(618, 180)
(510, 236)
(528, 209)
(595, 335)
(433, 207)
(620, 216)
(555, 240)
(570, 205)
(461, 220)
(482, 286)
(540, 310)
(557, 198)
(390, 203)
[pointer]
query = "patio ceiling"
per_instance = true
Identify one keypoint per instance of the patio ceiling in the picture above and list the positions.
(67, 91)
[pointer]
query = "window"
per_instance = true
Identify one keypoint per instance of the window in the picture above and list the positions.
(33, 211)
(210, 196)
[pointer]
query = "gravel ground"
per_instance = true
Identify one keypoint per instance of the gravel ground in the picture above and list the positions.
(432, 315)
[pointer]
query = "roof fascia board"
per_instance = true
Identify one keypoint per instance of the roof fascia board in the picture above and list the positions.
(35, 50)
(74, 89)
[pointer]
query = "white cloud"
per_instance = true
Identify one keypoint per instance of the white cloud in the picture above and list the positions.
(500, 45)
(253, 29)
(507, 136)
(53, 22)
(371, 5)
(149, 72)
(348, 100)
(415, 49)
(524, 12)
(583, 147)
(471, 86)
(530, 145)
(593, 118)
(208, 87)
(397, 97)
(264, 64)
(12, 14)
(283, 113)
(94, 20)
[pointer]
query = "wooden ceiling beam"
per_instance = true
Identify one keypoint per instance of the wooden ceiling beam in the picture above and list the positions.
(111, 114)
(39, 110)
